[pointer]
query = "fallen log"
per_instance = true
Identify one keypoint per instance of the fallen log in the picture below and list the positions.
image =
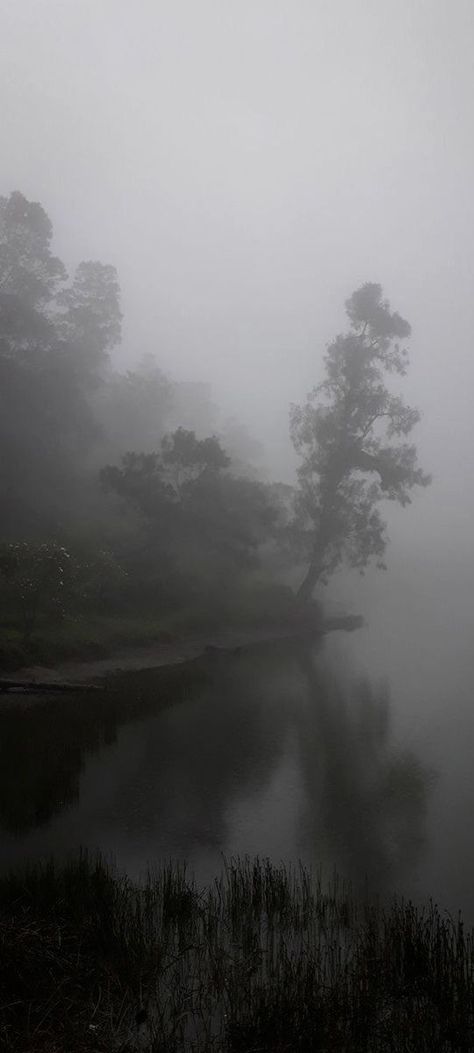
(29, 686)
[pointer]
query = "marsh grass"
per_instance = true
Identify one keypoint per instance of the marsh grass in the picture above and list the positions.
(264, 959)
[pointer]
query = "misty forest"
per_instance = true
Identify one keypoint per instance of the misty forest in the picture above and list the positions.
(236, 614)
(120, 501)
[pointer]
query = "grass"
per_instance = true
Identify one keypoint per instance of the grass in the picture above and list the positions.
(264, 959)
(90, 637)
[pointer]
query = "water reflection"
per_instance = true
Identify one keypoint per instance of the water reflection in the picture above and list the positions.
(45, 743)
(365, 798)
(266, 750)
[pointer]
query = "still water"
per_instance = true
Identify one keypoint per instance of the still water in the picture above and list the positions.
(355, 753)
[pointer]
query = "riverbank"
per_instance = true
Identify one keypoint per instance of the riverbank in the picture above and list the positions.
(266, 958)
(166, 650)
(80, 637)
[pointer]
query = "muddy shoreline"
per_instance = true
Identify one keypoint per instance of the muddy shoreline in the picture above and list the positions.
(176, 653)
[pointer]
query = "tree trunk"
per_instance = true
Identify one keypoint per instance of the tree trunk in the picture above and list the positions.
(321, 542)
(305, 590)
(316, 565)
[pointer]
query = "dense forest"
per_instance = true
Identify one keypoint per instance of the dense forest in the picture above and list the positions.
(128, 507)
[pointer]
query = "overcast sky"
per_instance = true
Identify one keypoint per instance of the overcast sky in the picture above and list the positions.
(246, 164)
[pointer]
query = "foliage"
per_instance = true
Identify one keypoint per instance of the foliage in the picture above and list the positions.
(36, 576)
(190, 517)
(194, 507)
(28, 270)
(185, 519)
(54, 340)
(46, 579)
(185, 458)
(98, 579)
(91, 321)
(350, 434)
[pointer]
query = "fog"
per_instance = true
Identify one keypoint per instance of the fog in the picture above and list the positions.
(245, 166)
(236, 521)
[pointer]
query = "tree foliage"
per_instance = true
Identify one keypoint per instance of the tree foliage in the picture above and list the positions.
(28, 269)
(47, 580)
(350, 434)
(54, 340)
(191, 502)
(91, 321)
(35, 577)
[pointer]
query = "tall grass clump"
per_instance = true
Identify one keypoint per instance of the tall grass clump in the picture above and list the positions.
(266, 958)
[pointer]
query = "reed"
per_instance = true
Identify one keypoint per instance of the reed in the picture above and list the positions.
(267, 958)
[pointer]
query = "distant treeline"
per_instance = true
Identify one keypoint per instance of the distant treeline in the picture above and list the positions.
(120, 492)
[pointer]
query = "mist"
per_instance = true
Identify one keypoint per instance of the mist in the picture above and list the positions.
(244, 170)
(236, 439)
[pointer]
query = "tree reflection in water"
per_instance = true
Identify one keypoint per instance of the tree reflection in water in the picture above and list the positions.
(366, 798)
(165, 755)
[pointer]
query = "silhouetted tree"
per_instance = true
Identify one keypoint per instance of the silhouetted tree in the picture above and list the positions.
(28, 270)
(185, 458)
(54, 341)
(91, 322)
(194, 507)
(347, 434)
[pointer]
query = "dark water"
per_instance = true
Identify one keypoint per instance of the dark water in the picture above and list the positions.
(356, 753)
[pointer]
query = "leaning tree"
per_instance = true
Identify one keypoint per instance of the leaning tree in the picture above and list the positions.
(350, 434)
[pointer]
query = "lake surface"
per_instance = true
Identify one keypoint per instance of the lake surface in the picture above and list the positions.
(356, 753)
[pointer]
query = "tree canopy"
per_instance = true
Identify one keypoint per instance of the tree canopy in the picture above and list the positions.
(55, 336)
(350, 434)
(192, 504)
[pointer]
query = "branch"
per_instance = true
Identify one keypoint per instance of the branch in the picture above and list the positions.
(371, 423)
(390, 475)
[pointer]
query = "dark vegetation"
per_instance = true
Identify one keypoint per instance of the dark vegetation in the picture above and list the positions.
(262, 960)
(124, 515)
(129, 511)
(265, 959)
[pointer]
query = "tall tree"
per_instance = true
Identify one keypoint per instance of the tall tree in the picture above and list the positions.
(91, 323)
(54, 339)
(28, 269)
(350, 434)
